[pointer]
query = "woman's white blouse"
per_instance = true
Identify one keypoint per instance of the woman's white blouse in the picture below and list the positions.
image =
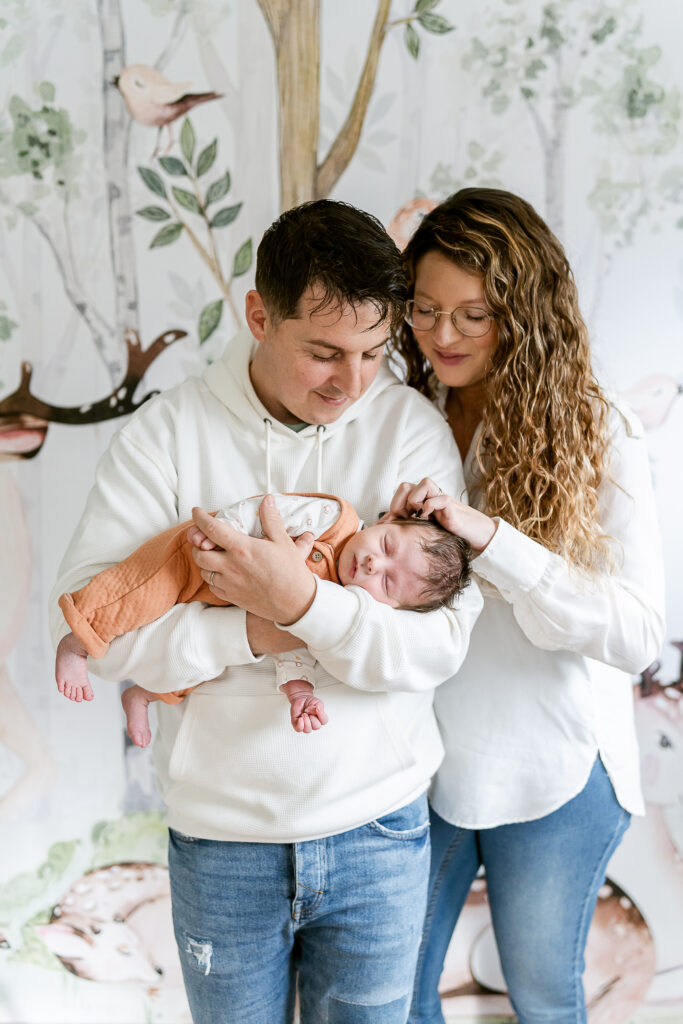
(547, 683)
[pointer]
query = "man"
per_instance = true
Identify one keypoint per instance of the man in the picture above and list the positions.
(321, 878)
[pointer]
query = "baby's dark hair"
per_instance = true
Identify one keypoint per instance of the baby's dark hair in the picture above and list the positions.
(448, 558)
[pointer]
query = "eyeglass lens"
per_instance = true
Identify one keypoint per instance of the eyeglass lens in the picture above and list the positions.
(468, 320)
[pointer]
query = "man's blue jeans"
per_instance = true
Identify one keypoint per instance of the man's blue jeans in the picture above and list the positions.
(543, 879)
(343, 915)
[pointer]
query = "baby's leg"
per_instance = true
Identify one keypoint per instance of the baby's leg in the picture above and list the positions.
(307, 712)
(71, 670)
(136, 702)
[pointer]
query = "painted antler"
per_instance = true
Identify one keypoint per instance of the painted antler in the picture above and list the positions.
(650, 685)
(118, 403)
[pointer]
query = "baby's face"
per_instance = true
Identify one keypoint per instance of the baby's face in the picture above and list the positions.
(387, 560)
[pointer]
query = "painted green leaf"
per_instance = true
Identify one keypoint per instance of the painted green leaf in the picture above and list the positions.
(412, 41)
(426, 5)
(605, 30)
(243, 258)
(11, 50)
(47, 92)
(435, 23)
(23, 888)
(226, 216)
(166, 235)
(187, 140)
(6, 327)
(141, 835)
(187, 200)
(206, 158)
(219, 189)
(153, 213)
(209, 320)
(534, 68)
(172, 165)
(152, 181)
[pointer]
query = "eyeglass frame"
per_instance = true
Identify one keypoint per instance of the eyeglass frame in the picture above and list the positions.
(444, 312)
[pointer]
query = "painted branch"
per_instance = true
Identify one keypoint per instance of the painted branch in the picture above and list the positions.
(115, 144)
(118, 403)
(274, 12)
(344, 146)
(101, 332)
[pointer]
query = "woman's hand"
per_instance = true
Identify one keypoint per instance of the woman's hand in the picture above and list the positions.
(427, 499)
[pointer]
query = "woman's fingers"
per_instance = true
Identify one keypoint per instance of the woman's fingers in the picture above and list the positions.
(410, 498)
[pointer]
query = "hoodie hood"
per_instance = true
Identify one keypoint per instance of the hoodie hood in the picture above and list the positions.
(228, 379)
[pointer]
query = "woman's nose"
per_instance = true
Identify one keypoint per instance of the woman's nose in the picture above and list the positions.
(445, 331)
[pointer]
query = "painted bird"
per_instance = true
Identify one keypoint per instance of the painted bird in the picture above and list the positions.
(152, 100)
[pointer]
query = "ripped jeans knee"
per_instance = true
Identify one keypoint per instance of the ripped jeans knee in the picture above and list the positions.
(198, 953)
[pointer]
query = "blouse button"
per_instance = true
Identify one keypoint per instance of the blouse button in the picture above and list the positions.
(317, 556)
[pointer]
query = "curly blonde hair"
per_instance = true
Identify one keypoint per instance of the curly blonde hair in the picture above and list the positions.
(542, 451)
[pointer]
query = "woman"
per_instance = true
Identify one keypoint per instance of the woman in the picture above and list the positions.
(540, 775)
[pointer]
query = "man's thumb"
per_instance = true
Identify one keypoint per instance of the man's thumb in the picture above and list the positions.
(271, 520)
(304, 543)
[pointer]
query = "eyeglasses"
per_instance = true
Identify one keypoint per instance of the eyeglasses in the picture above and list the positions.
(468, 320)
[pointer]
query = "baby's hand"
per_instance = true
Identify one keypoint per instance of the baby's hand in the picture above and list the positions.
(199, 539)
(71, 670)
(307, 713)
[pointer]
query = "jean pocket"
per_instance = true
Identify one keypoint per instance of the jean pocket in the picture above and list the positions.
(409, 822)
(181, 837)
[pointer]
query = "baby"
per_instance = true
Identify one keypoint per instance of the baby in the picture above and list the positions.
(405, 563)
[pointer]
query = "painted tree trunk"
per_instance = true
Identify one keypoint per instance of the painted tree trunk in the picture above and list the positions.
(295, 28)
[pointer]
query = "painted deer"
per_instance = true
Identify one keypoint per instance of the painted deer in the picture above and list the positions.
(114, 924)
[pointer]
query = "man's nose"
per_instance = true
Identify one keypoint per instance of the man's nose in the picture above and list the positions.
(348, 379)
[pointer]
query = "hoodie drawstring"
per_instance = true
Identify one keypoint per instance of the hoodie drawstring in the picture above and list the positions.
(269, 426)
(320, 430)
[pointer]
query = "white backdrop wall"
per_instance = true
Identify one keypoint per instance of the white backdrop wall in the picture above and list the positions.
(575, 104)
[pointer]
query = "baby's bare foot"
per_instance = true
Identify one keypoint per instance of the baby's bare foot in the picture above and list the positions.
(71, 670)
(136, 703)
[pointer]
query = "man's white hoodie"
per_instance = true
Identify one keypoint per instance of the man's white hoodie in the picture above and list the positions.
(230, 765)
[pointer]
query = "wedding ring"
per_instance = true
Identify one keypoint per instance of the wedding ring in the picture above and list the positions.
(213, 573)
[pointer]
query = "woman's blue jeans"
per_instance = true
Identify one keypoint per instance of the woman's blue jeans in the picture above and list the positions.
(543, 879)
(342, 914)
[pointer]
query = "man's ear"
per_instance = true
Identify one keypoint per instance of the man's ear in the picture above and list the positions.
(256, 314)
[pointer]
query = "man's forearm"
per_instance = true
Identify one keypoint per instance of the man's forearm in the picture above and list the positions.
(265, 638)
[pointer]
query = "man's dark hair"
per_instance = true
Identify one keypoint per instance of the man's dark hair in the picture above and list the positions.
(448, 558)
(345, 252)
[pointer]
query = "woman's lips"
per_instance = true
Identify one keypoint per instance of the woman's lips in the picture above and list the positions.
(449, 358)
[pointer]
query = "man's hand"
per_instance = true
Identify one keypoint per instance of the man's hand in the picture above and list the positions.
(268, 577)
